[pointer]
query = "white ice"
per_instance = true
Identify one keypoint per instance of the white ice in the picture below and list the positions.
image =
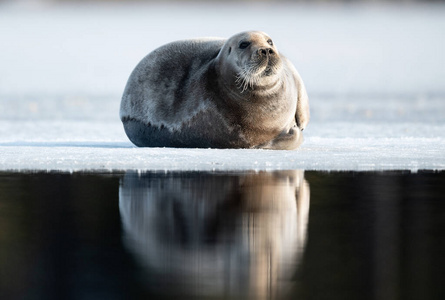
(375, 77)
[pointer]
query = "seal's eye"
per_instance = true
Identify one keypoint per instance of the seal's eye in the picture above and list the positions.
(244, 45)
(269, 41)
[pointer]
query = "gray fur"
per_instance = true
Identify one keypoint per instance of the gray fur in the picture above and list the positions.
(203, 93)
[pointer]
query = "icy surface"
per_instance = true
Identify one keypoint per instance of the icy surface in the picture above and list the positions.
(374, 75)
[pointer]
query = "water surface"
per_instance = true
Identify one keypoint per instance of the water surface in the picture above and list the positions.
(237, 235)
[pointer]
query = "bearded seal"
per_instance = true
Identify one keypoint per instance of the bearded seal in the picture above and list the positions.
(216, 93)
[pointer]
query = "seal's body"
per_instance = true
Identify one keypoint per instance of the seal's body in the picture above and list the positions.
(235, 93)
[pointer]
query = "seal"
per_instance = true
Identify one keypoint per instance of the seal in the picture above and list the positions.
(216, 93)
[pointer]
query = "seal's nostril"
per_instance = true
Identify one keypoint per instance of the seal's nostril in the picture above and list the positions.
(266, 51)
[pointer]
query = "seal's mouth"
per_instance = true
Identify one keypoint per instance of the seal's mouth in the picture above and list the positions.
(265, 66)
(258, 68)
(269, 70)
(271, 67)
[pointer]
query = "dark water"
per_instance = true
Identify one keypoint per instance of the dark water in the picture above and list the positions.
(267, 235)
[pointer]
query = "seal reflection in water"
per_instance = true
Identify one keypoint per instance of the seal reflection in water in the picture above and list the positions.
(220, 93)
(214, 235)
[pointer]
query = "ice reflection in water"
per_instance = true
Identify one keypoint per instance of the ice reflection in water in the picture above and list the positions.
(207, 234)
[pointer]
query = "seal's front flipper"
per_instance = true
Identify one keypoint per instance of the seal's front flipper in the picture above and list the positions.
(287, 140)
(302, 113)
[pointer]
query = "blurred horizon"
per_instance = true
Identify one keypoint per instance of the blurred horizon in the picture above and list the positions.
(91, 47)
(318, 2)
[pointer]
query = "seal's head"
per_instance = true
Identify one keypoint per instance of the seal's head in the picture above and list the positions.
(249, 60)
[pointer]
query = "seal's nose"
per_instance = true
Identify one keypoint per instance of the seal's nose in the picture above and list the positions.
(265, 51)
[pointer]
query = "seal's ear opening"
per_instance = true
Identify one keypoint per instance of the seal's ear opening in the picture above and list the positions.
(230, 50)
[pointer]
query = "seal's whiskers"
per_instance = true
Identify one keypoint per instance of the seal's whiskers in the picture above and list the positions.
(248, 77)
